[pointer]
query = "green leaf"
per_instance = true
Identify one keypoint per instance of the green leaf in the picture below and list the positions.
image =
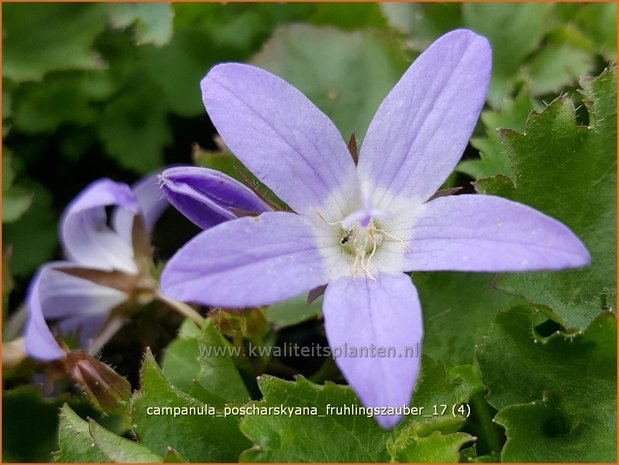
(414, 445)
(556, 66)
(25, 440)
(178, 67)
(15, 200)
(423, 22)
(193, 432)
(59, 99)
(492, 157)
(45, 106)
(218, 372)
(119, 449)
(153, 21)
(348, 16)
(180, 359)
(206, 34)
(514, 30)
(437, 387)
(310, 438)
(7, 103)
(7, 109)
(75, 441)
(14, 204)
(457, 309)
(37, 226)
(293, 311)
(346, 75)
(568, 172)
(39, 38)
(172, 456)
(328, 435)
(599, 21)
(557, 394)
(135, 134)
(204, 357)
(87, 441)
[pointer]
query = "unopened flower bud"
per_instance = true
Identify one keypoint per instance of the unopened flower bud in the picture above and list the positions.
(104, 387)
(208, 197)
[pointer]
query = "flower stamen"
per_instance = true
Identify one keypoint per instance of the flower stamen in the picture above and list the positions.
(404, 245)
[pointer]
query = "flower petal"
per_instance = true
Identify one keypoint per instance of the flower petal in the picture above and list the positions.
(62, 295)
(78, 304)
(422, 127)
(286, 141)
(487, 233)
(385, 315)
(246, 262)
(208, 197)
(152, 202)
(152, 205)
(86, 237)
(40, 343)
(85, 327)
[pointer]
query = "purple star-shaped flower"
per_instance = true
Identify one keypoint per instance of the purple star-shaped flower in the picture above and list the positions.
(359, 228)
(102, 266)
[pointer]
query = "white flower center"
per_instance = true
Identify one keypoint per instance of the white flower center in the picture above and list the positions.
(359, 239)
(362, 235)
(362, 243)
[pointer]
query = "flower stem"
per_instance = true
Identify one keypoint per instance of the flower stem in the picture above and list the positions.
(181, 308)
(108, 331)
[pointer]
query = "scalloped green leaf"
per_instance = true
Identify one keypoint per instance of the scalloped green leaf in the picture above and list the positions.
(330, 435)
(119, 449)
(414, 445)
(493, 159)
(569, 173)
(204, 357)
(87, 441)
(195, 434)
(557, 394)
(457, 310)
(76, 443)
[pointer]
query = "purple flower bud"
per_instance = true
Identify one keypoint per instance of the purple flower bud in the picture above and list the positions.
(208, 197)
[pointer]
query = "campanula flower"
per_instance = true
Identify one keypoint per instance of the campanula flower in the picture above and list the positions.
(358, 228)
(106, 264)
(208, 197)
